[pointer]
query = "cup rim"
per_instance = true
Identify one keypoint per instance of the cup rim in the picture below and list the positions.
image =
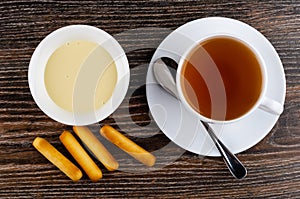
(187, 53)
(41, 55)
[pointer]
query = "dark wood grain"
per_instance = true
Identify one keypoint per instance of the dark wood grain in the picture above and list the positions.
(273, 164)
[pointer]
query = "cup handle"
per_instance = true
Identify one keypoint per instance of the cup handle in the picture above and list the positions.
(271, 106)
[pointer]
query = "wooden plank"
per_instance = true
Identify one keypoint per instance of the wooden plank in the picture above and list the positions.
(273, 164)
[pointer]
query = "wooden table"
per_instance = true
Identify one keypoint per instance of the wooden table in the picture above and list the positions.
(273, 164)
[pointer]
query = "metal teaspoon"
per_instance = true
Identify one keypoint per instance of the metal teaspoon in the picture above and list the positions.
(165, 79)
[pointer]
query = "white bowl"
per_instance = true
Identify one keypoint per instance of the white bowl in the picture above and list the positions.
(39, 60)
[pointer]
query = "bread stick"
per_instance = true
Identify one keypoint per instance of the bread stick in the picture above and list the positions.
(92, 142)
(58, 159)
(81, 156)
(127, 145)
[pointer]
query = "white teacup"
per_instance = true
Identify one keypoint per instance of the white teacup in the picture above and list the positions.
(42, 54)
(262, 102)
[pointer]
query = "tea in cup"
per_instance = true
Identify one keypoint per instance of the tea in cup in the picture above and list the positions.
(222, 79)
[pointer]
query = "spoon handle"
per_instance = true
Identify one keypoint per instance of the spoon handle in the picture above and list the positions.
(236, 168)
(164, 78)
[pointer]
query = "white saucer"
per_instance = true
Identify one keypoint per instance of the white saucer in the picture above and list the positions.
(183, 128)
